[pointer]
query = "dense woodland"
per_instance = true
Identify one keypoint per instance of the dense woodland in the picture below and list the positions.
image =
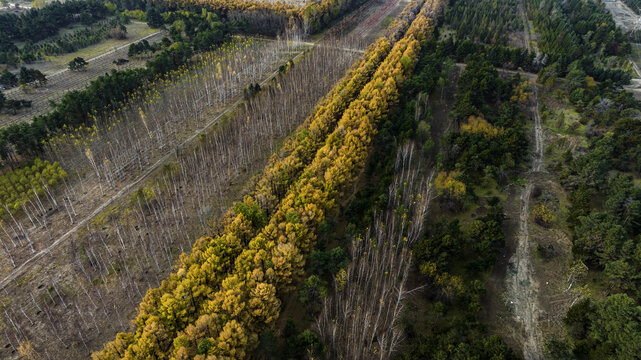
(581, 33)
(454, 254)
(603, 215)
(486, 21)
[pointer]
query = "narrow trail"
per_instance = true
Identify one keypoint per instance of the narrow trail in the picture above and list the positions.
(526, 28)
(521, 284)
(522, 293)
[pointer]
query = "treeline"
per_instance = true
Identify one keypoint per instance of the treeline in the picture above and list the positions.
(499, 56)
(455, 255)
(270, 18)
(486, 21)
(78, 107)
(71, 42)
(37, 24)
(226, 292)
(582, 31)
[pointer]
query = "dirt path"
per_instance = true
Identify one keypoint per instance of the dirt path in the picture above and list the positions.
(521, 286)
(521, 283)
(522, 294)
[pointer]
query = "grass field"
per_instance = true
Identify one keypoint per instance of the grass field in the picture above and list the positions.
(135, 31)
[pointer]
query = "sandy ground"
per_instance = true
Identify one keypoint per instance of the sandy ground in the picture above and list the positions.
(521, 283)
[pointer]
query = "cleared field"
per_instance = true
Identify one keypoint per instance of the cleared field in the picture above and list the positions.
(100, 57)
(135, 31)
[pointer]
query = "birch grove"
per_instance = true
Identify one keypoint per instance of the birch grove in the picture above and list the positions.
(360, 321)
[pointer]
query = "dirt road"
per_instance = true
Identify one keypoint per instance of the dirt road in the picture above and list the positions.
(521, 283)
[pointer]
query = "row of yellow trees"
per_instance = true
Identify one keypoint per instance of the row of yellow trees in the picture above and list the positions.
(225, 293)
(248, 300)
(212, 258)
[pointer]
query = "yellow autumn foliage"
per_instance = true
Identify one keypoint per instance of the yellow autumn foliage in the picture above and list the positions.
(543, 215)
(242, 291)
(478, 125)
(446, 185)
(522, 92)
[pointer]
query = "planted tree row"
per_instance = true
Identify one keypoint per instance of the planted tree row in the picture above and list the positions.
(248, 300)
(247, 217)
(283, 170)
(231, 318)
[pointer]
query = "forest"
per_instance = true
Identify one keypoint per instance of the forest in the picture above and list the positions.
(579, 32)
(489, 22)
(602, 215)
(324, 180)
